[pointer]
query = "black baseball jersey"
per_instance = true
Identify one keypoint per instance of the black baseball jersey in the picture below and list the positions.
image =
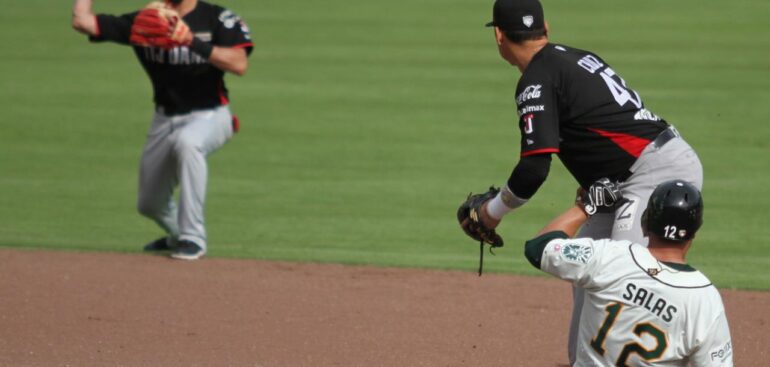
(571, 102)
(182, 80)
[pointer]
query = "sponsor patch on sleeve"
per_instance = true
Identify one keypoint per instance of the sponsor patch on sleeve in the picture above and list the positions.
(577, 253)
(722, 352)
(530, 92)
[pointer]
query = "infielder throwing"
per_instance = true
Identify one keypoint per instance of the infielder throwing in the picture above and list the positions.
(185, 46)
(644, 306)
(572, 103)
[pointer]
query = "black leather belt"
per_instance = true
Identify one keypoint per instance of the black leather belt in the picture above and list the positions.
(664, 137)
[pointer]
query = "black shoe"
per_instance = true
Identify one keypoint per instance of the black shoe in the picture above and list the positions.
(161, 244)
(187, 250)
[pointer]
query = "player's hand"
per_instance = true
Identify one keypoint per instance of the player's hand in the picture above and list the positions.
(181, 33)
(159, 25)
(602, 194)
(487, 219)
(474, 220)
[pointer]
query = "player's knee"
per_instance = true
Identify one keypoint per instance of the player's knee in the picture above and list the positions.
(185, 146)
(147, 208)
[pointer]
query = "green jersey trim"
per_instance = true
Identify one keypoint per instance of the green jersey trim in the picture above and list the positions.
(679, 266)
(533, 249)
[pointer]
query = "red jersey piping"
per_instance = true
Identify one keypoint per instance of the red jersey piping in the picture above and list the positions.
(540, 151)
(98, 29)
(222, 98)
(242, 45)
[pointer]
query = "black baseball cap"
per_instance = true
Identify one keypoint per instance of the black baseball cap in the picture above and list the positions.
(517, 15)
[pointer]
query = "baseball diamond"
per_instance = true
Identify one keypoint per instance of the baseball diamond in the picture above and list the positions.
(115, 307)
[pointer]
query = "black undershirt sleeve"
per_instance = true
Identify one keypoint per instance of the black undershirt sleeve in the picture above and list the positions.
(114, 28)
(533, 249)
(529, 174)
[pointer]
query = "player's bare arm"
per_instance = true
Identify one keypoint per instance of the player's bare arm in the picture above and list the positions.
(602, 193)
(230, 59)
(568, 222)
(83, 19)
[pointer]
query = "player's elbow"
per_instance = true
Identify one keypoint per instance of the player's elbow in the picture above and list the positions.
(239, 68)
(77, 24)
(84, 23)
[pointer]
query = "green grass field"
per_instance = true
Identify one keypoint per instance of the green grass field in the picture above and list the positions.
(365, 124)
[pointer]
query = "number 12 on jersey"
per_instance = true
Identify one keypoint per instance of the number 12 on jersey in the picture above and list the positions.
(613, 311)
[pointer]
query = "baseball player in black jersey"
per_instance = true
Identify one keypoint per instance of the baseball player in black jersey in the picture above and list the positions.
(192, 118)
(573, 104)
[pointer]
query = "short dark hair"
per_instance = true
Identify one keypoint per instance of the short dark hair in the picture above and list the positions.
(521, 36)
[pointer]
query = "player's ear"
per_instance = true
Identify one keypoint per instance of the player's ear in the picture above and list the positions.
(499, 36)
(547, 28)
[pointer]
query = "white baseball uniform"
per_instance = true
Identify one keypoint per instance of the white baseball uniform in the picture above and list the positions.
(637, 311)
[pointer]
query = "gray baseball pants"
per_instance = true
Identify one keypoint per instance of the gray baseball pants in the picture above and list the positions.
(175, 154)
(674, 160)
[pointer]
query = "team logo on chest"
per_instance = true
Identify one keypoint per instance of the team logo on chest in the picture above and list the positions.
(576, 253)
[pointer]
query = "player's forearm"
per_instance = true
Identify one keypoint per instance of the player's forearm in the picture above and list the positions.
(231, 60)
(568, 222)
(526, 178)
(83, 19)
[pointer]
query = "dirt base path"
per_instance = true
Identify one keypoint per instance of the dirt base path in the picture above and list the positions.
(85, 309)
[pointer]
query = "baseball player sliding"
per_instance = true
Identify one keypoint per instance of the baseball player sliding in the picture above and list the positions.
(185, 46)
(572, 103)
(644, 306)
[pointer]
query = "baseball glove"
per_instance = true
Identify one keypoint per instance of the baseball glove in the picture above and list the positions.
(470, 219)
(159, 25)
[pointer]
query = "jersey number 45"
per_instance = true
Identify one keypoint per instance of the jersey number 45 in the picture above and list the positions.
(619, 90)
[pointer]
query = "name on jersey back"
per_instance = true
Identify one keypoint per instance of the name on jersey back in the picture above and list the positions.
(656, 304)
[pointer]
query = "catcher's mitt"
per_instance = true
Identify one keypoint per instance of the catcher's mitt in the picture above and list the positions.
(468, 215)
(159, 25)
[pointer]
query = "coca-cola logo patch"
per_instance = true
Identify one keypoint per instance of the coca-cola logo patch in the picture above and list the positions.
(530, 92)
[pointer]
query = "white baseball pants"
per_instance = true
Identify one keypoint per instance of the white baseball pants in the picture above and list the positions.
(175, 154)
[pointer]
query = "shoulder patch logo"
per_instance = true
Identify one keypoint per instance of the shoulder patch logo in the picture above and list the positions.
(229, 19)
(577, 253)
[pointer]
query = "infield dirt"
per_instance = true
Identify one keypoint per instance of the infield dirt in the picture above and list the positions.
(98, 309)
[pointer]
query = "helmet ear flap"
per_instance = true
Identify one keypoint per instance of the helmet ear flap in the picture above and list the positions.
(644, 222)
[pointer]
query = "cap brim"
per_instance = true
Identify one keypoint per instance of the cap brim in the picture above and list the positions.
(490, 24)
